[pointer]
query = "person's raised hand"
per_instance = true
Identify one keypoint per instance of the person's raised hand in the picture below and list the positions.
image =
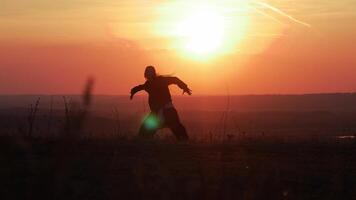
(132, 93)
(187, 90)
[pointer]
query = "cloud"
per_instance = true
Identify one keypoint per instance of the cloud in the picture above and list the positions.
(279, 12)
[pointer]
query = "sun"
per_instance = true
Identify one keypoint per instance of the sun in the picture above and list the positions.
(202, 31)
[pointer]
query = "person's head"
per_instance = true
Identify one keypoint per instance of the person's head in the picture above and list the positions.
(150, 72)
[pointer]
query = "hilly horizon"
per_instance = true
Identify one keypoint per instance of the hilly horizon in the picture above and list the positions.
(304, 102)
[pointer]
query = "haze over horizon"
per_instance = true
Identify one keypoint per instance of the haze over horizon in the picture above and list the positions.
(217, 47)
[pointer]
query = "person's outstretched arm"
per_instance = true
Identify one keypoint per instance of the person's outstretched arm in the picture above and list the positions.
(136, 89)
(180, 83)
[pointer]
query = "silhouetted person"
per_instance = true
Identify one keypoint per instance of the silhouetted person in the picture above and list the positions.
(163, 114)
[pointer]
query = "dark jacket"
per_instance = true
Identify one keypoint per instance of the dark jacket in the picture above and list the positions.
(158, 90)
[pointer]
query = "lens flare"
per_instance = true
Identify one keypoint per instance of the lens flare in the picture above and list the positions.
(151, 122)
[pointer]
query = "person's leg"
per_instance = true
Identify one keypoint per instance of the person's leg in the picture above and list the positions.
(172, 122)
(149, 126)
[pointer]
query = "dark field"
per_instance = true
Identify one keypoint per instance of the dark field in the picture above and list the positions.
(249, 169)
(243, 147)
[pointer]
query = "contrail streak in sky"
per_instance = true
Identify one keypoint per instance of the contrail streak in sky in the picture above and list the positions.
(269, 16)
(280, 12)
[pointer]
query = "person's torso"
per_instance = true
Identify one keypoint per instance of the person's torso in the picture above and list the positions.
(158, 93)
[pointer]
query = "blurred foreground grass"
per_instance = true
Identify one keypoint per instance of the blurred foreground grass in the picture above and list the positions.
(130, 169)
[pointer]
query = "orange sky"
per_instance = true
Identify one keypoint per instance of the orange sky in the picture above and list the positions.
(293, 46)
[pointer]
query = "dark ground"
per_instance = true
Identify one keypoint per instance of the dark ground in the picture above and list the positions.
(259, 147)
(117, 169)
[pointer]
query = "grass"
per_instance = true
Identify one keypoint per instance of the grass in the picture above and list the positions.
(130, 169)
(227, 164)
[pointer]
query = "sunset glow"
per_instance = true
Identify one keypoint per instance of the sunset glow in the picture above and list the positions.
(178, 99)
(202, 31)
(249, 46)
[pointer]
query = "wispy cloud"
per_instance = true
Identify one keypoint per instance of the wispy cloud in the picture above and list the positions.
(267, 15)
(279, 12)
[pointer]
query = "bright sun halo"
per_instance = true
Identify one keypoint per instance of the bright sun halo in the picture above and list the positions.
(202, 31)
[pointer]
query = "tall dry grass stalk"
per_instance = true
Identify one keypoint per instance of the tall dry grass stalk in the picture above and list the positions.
(32, 117)
(219, 132)
(225, 118)
(50, 116)
(76, 113)
(117, 130)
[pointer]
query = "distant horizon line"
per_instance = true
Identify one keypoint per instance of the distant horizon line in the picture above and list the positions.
(198, 95)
